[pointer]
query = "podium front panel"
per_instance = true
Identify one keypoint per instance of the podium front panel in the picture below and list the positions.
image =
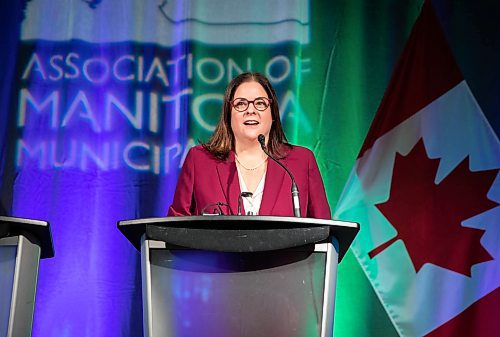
(19, 260)
(7, 268)
(207, 293)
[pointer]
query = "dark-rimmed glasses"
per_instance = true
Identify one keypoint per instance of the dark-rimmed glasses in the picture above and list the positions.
(242, 104)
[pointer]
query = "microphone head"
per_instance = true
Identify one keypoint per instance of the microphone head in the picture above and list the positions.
(262, 140)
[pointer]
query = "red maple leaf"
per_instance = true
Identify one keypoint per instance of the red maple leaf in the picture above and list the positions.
(428, 216)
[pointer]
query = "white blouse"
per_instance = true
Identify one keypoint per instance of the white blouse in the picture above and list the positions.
(252, 204)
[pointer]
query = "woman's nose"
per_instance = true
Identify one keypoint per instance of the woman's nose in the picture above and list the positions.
(251, 110)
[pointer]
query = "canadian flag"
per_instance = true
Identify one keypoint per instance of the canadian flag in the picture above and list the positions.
(426, 190)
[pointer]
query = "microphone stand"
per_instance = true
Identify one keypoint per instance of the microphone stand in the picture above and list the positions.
(295, 189)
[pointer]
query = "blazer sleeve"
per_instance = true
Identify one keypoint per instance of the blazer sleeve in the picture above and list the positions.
(318, 204)
(184, 203)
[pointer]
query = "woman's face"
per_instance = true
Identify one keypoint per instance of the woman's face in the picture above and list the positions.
(247, 125)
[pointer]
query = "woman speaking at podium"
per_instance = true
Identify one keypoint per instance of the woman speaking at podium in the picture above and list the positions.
(232, 174)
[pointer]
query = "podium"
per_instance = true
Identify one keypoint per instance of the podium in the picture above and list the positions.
(239, 275)
(22, 243)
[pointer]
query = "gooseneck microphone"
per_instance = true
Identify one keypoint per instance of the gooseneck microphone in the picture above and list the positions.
(295, 190)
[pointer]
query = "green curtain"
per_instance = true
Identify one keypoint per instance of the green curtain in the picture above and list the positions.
(355, 45)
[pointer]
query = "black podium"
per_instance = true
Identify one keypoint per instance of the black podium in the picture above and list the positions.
(239, 275)
(22, 243)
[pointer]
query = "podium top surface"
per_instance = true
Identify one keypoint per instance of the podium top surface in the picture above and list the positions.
(37, 229)
(233, 227)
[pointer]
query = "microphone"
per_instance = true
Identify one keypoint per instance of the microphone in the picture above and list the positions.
(295, 191)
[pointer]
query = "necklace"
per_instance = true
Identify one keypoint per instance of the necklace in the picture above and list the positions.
(249, 168)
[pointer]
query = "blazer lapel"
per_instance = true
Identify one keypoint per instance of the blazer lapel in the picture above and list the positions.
(272, 187)
(228, 179)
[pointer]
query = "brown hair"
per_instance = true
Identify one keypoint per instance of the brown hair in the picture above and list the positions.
(222, 140)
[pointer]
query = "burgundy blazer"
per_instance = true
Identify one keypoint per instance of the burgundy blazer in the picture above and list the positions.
(206, 180)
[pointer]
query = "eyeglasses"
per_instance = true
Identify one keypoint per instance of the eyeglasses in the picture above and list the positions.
(242, 104)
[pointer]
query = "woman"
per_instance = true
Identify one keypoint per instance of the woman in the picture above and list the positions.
(216, 173)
